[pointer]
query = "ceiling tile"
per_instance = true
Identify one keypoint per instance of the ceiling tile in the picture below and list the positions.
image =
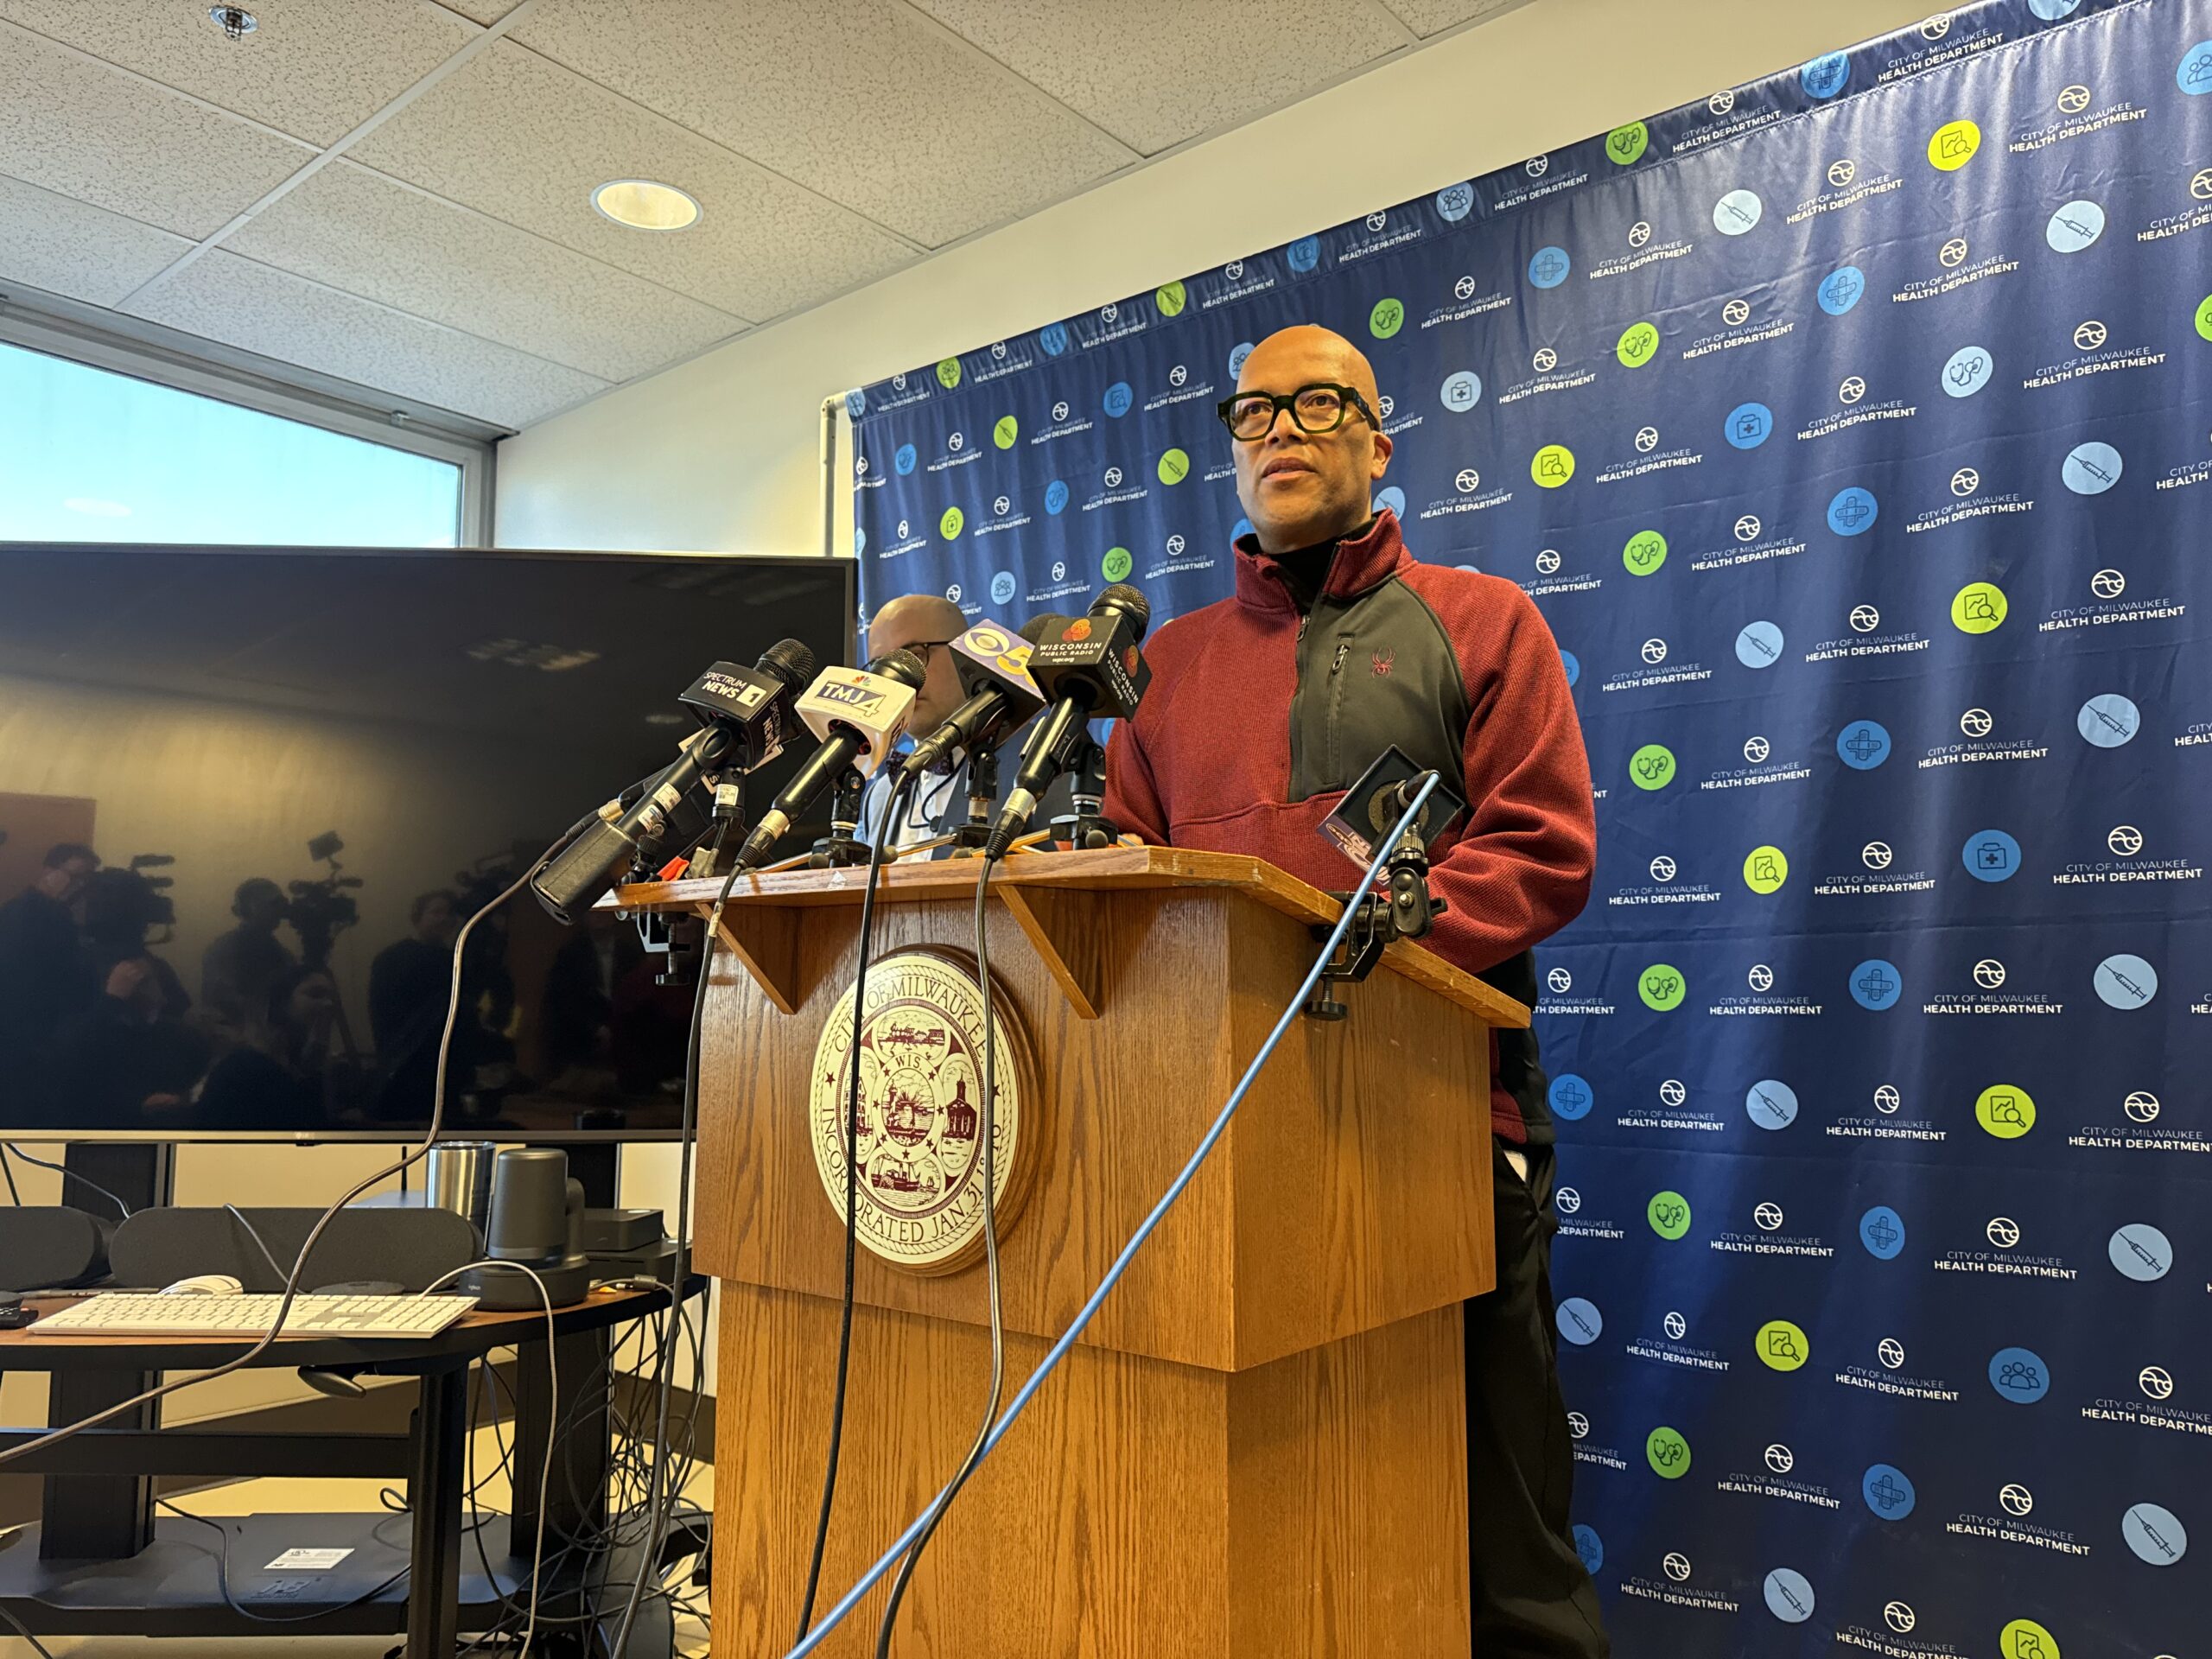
(762, 245)
(89, 131)
(1168, 69)
(226, 297)
(359, 231)
(66, 247)
(866, 101)
(314, 70)
(484, 11)
(1426, 18)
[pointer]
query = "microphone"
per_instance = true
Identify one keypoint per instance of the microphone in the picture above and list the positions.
(858, 713)
(744, 718)
(992, 665)
(1089, 667)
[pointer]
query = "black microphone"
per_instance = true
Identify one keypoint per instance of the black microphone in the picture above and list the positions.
(745, 718)
(858, 713)
(993, 668)
(1091, 668)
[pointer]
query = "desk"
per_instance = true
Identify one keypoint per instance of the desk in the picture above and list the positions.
(170, 1587)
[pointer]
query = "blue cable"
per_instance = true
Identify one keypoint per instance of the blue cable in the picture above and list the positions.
(890, 1558)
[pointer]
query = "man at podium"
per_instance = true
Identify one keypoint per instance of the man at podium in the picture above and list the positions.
(1263, 709)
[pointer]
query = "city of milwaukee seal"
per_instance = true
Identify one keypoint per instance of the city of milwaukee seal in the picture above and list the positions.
(919, 1121)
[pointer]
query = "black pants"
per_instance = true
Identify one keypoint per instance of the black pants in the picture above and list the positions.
(1532, 1598)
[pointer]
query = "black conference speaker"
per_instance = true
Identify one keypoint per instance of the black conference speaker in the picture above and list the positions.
(50, 1248)
(408, 1248)
(538, 1222)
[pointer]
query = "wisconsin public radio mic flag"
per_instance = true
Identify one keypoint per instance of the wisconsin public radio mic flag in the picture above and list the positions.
(1850, 430)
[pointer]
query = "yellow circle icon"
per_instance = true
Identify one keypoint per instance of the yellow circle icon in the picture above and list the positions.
(1553, 466)
(1955, 144)
(1978, 607)
(1766, 870)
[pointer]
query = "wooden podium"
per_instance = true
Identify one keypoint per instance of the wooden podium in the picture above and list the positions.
(1258, 1449)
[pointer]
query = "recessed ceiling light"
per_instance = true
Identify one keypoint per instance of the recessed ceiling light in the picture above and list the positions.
(643, 206)
(234, 20)
(94, 508)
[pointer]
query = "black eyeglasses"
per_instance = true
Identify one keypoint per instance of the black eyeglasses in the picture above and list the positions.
(1316, 410)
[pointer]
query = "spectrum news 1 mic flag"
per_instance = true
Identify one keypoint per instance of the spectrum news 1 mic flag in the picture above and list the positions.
(1850, 430)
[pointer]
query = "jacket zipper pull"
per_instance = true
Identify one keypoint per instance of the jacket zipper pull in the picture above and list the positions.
(1304, 617)
(1344, 650)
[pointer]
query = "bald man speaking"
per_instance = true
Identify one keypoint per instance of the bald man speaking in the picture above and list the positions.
(1263, 709)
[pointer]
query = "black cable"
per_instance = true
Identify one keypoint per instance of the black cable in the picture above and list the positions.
(23, 1631)
(223, 1578)
(991, 1255)
(883, 834)
(68, 1175)
(9, 1170)
(260, 1243)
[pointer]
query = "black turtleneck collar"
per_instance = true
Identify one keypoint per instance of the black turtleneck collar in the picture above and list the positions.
(1304, 570)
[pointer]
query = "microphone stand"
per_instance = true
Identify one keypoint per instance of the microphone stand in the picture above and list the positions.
(1403, 911)
(841, 848)
(967, 840)
(1091, 828)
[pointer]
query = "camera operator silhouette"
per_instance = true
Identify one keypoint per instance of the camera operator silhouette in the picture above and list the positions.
(45, 977)
(287, 1083)
(129, 1057)
(237, 971)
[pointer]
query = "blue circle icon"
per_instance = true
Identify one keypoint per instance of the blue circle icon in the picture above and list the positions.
(1758, 644)
(1053, 337)
(1002, 586)
(2051, 11)
(1749, 425)
(1462, 390)
(860, 540)
(2194, 75)
(1571, 664)
(1967, 371)
(2156, 1534)
(1888, 1492)
(2074, 226)
(1304, 254)
(1771, 1105)
(1548, 266)
(2127, 982)
(2108, 720)
(1056, 497)
(1571, 1097)
(903, 460)
(1236, 356)
(2019, 1375)
(1240, 530)
(1881, 1229)
(1841, 290)
(1877, 984)
(1392, 497)
(1590, 1548)
(1990, 856)
(1737, 212)
(1824, 77)
(1852, 511)
(1118, 399)
(1789, 1595)
(1579, 1322)
(2141, 1252)
(2092, 469)
(1863, 745)
(1456, 201)
(856, 404)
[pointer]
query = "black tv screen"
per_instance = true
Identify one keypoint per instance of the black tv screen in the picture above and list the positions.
(246, 798)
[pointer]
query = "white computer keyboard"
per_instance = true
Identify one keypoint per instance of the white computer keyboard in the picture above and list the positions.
(120, 1314)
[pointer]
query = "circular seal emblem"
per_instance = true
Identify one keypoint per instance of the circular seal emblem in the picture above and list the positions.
(921, 1115)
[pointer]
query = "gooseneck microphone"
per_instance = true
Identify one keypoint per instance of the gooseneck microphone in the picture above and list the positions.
(1089, 667)
(858, 713)
(745, 720)
(993, 665)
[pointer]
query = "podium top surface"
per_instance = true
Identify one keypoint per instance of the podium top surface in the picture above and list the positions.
(1105, 870)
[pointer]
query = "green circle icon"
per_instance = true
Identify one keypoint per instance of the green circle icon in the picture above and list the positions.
(1169, 299)
(2006, 1111)
(1553, 466)
(1386, 319)
(1651, 767)
(1765, 869)
(1645, 552)
(1669, 1214)
(1668, 1453)
(2025, 1639)
(1626, 144)
(1638, 345)
(1174, 467)
(1118, 563)
(947, 373)
(1978, 607)
(1783, 1346)
(1662, 987)
(949, 525)
(2204, 317)
(1006, 432)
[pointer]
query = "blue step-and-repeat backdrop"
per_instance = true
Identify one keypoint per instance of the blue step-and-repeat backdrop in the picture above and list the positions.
(1853, 431)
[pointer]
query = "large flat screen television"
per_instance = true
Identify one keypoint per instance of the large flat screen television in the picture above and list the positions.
(247, 797)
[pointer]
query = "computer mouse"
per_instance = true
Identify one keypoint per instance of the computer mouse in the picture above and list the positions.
(205, 1284)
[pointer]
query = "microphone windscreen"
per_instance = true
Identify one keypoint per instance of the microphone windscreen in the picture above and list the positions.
(902, 665)
(789, 661)
(1130, 602)
(1038, 626)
